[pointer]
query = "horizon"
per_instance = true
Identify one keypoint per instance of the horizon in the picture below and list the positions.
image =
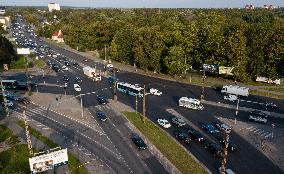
(145, 3)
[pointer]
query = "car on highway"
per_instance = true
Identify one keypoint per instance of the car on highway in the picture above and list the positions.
(230, 97)
(156, 92)
(75, 64)
(65, 78)
(227, 171)
(78, 79)
(77, 87)
(213, 148)
(25, 101)
(270, 105)
(56, 68)
(232, 147)
(8, 103)
(259, 113)
(101, 115)
(138, 141)
(210, 128)
(258, 119)
(65, 68)
(102, 100)
(67, 63)
(164, 123)
(194, 134)
(182, 137)
(223, 127)
(179, 122)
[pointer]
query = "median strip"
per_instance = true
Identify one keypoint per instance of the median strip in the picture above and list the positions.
(173, 151)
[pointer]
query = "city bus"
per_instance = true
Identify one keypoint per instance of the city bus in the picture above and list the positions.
(9, 84)
(134, 90)
(14, 85)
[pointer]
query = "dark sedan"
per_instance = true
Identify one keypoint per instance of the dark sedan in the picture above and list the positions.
(101, 116)
(138, 141)
(102, 100)
(183, 137)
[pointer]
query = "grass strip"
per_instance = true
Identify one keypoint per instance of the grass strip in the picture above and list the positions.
(266, 94)
(73, 162)
(15, 160)
(19, 64)
(5, 133)
(167, 146)
(275, 89)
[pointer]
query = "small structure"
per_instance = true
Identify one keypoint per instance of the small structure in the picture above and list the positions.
(5, 21)
(53, 6)
(249, 7)
(58, 36)
(2, 10)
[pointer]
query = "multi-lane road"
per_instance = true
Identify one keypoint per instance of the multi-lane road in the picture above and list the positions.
(245, 161)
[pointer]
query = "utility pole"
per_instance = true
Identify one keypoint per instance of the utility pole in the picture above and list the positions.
(237, 111)
(136, 104)
(203, 83)
(114, 91)
(30, 147)
(225, 153)
(144, 104)
(43, 77)
(105, 53)
(185, 66)
(82, 109)
(4, 99)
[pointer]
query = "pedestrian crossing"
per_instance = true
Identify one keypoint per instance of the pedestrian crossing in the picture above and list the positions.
(260, 132)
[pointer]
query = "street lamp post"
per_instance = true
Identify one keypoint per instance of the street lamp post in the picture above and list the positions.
(237, 111)
(82, 109)
(225, 153)
(272, 133)
(136, 104)
(203, 83)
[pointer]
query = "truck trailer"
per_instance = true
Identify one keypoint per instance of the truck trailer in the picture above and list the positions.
(235, 90)
(91, 73)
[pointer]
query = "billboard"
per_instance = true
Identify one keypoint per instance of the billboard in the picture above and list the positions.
(268, 80)
(48, 161)
(23, 51)
(226, 70)
(210, 68)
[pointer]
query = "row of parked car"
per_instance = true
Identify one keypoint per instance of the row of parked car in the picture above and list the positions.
(12, 97)
(187, 134)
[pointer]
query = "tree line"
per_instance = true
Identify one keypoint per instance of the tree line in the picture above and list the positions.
(173, 40)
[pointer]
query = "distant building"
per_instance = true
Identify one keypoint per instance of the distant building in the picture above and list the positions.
(5, 21)
(53, 6)
(249, 7)
(58, 36)
(269, 7)
(2, 10)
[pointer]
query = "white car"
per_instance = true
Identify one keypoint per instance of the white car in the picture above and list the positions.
(155, 92)
(65, 68)
(8, 103)
(231, 97)
(164, 123)
(77, 87)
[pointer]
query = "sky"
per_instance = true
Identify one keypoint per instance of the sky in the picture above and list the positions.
(146, 3)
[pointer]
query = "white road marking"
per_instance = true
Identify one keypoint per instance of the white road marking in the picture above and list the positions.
(270, 134)
(253, 129)
(259, 133)
(257, 130)
(250, 127)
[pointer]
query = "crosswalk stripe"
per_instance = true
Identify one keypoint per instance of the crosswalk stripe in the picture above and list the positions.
(250, 127)
(257, 130)
(259, 133)
(253, 129)
(264, 134)
(270, 134)
(249, 101)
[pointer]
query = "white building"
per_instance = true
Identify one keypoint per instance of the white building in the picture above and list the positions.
(5, 21)
(53, 6)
